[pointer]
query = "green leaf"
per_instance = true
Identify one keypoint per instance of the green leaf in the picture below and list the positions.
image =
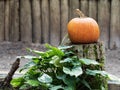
(56, 50)
(28, 65)
(88, 61)
(17, 82)
(65, 47)
(86, 84)
(70, 81)
(45, 78)
(75, 71)
(68, 88)
(24, 87)
(56, 87)
(56, 61)
(27, 57)
(66, 60)
(33, 83)
(96, 72)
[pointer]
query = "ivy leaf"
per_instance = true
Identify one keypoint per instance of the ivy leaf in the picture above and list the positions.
(86, 84)
(17, 82)
(45, 78)
(66, 60)
(55, 60)
(56, 87)
(28, 65)
(33, 83)
(40, 53)
(88, 61)
(75, 71)
(27, 57)
(56, 50)
(96, 72)
(65, 47)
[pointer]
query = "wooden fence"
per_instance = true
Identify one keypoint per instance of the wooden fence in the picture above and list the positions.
(45, 21)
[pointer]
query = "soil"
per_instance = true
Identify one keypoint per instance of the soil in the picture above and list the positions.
(9, 52)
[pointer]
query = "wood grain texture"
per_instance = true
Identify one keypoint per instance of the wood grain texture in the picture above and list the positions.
(45, 21)
(93, 9)
(6, 21)
(115, 24)
(54, 22)
(103, 20)
(1, 21)
(64, 17)
(36, 21)
(14, 20)
(73, 4)
(84, 7)
(25, 21)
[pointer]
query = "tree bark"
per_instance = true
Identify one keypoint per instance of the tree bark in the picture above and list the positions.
(93, 51)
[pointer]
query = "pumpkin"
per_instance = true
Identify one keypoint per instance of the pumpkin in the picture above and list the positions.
(83, 29)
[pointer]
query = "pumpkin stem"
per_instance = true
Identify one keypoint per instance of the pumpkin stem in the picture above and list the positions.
(80, 13)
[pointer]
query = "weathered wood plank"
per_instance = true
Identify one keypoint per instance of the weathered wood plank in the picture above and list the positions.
(84, 7)
(93, 9)
(64, 17)
(6, 20)
(103, 20)
(45, 21)
(115, 24)
(54, 22)
(73, 4)
(25, 21)
(1, 21)
(14, 20)
(36, 21)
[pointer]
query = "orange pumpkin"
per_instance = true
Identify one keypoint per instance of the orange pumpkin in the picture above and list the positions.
(83, 29)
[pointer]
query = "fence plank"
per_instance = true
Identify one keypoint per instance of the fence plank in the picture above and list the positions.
(93, 9)
(115, 24)
(54, 22)
(73, 4)
(45, 21)
(25, 21)
(64, 17)
(6, 20)
(103, 20)
(14, 20)
(36, 21)
(1, 21)
(84, 7)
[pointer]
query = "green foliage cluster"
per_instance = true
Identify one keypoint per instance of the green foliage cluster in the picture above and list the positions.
(59, 68)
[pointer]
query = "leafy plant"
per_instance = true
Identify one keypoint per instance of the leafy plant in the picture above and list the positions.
(60, 69)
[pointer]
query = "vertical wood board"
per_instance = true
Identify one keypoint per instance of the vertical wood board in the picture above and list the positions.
(84, 7)
(45, 21)
(73, 4)
(54, 22)
(115, 24)
(103, 20)
(36, 21)
(6, 18)
(1, 21)
(14, 20)
(93, 9)
(64, 17)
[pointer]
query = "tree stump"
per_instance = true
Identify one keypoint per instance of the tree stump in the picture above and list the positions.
(94, 51)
